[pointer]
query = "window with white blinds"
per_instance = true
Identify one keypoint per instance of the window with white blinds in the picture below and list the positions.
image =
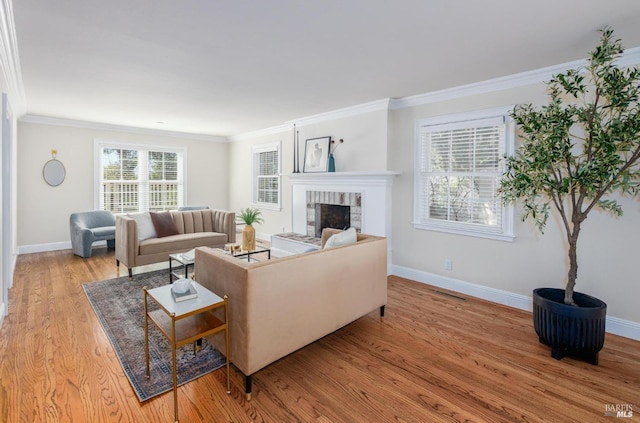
(266, 175)
(459, 164)
(139, 178)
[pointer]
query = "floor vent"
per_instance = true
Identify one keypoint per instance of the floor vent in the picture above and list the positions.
(446, 294)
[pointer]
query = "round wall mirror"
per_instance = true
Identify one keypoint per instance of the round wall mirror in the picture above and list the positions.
(53, 172)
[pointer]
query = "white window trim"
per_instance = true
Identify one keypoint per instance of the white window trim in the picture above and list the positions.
(98, 144)
(260, 149)
(506, 233)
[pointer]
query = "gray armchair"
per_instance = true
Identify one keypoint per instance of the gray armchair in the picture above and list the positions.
(89, 227)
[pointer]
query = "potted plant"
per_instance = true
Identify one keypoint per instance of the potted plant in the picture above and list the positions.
(577, 150)
(249, 216)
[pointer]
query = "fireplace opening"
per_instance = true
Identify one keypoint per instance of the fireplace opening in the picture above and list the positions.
(331, 216)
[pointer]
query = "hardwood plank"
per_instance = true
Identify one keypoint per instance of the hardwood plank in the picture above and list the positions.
(437, 356)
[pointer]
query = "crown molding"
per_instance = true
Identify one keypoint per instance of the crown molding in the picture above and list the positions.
(46, 120)
(10, 59)
(359, 109)
(262, 132)
(630, 57)
(372, 106)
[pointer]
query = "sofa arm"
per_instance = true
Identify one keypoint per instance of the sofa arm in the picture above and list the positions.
(227, 275)
(126, 241)
(225, 222)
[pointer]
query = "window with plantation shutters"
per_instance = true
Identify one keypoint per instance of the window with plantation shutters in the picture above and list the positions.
(266, 175)
(459, 163)
(138, 178)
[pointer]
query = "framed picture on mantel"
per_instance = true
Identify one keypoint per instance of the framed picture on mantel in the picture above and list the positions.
(316, 154)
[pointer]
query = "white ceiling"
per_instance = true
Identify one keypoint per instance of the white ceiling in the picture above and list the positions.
(225, 67)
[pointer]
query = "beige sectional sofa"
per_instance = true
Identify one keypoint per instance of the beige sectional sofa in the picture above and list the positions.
(195, 228)
(280, 305)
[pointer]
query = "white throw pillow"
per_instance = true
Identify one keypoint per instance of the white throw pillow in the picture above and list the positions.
(343, 238)
(146, 229)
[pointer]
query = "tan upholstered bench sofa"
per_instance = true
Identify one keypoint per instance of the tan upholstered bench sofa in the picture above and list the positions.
(280, 305)
(195, 228)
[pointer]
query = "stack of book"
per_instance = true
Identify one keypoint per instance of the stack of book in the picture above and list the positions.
(183, 295)
(189, 255)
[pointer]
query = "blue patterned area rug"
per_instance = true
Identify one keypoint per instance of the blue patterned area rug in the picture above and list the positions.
(118, 303)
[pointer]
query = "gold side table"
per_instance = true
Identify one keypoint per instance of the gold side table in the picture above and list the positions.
(185, 322)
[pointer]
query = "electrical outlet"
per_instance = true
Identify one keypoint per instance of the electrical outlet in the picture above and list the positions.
(448, 264)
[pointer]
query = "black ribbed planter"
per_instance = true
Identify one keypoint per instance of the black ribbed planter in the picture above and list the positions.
(569, 330)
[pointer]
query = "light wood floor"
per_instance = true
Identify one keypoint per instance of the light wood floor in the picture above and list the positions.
(435, 358)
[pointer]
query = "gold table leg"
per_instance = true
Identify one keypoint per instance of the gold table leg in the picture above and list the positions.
(226, 335)
(175, 374)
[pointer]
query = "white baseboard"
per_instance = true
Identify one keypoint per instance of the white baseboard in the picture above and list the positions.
(615, 325)
(40, 248)
(3, 311)
(54, 246)
(625, 328)
(263, 236)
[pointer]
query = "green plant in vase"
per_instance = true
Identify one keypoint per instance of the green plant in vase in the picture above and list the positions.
(249, 216)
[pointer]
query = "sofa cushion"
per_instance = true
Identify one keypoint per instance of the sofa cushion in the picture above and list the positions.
(163, 224)
(145, 225)
(181, 242)
(343, 238)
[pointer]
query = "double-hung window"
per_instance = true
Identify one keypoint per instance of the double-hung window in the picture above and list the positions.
(459, 164)
(266, 175)
(134, 178)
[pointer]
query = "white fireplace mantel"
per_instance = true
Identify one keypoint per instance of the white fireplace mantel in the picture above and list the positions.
(375, 188)
(343, 177)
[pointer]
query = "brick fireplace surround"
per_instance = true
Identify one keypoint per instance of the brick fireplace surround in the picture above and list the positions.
(353, 200)
(368, 194)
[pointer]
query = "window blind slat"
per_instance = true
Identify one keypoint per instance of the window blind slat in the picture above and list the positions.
(266, 178)
(461, 165)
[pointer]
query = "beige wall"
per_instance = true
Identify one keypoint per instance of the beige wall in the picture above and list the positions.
(43, 211)
(275, 221)
(364, 149)
(607, 255)
(365, 140)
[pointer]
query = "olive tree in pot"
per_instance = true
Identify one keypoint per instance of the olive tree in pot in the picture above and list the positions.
(577, 150)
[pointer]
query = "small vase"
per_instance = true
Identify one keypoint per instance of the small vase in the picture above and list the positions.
(249, 238)
(332, 163)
